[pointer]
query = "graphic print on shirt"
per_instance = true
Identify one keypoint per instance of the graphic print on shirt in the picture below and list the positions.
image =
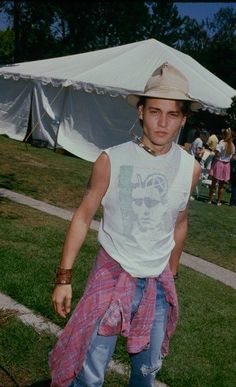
(143, 198)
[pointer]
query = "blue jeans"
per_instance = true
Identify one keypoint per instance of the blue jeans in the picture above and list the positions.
(144, 365)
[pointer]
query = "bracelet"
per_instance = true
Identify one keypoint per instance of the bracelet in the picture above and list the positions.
(176, 276)
(63, 276)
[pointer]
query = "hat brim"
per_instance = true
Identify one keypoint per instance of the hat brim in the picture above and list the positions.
(133, 99)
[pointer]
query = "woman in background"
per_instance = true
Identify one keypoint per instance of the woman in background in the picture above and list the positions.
(233, 181)
(220, 171)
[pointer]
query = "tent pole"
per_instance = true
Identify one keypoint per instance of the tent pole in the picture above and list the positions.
(59, 122)
(55, 144)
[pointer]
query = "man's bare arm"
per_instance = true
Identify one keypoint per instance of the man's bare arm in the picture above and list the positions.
(96, 189)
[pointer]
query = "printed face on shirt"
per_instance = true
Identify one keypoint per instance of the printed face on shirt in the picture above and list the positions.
(162, 120)
(149, 201)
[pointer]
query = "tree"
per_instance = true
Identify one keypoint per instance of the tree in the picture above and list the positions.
(231, 115)
(7, 46)
(193, 38)
(164, 22)
(32, 22)
(220, 56)
(86, 26)
(212, 43)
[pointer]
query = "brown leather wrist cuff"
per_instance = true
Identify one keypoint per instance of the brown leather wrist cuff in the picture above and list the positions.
(63, 276)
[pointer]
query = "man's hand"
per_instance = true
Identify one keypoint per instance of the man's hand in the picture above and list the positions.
(61, 299)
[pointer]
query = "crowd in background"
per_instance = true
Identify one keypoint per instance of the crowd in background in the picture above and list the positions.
(215, 151)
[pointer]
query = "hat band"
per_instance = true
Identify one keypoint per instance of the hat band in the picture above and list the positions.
(166, 88)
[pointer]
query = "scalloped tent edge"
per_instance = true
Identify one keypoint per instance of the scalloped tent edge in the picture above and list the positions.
(78, 102)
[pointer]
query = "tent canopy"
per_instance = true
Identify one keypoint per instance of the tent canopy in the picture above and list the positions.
(79, 100)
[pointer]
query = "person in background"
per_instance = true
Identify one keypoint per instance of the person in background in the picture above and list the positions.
(209, 153)
(144, 187)
(220, 171)
(212, 141)
(198, 145)
(233, 181)
(198, 149)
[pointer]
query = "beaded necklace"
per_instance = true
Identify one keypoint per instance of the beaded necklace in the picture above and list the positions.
(138, 140)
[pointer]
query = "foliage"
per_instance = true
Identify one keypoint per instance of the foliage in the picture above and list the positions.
(231, 115)
(87, 26)
(221, 53)
(194, 38)
(7, 46)
(165, 22)
(213, 43)
(31, 22)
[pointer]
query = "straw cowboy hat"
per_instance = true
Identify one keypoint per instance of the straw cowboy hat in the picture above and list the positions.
(166, 82)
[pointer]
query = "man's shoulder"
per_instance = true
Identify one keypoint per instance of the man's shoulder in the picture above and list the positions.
(120, 147)
(183, 151)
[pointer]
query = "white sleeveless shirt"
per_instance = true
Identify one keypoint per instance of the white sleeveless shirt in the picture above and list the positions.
(142, 202)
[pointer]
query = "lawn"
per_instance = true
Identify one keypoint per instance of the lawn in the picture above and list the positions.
(202, 352)
(212, 233)
(24, 353)
(60, 179)
(55, 178)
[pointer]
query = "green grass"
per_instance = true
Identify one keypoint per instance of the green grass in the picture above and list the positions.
(202, 353)
(61, 179)
(55, 178)
(31, 244)
(212, 233)
(23, 355)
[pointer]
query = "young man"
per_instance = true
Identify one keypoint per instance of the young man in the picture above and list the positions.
(144, 187)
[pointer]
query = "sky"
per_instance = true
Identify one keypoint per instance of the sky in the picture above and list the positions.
(201, 10)
(195, 10)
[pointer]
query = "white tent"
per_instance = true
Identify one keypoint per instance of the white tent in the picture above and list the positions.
(78, 101)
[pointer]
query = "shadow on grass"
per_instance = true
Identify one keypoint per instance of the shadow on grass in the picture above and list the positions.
(6, 379)
(204, 199)
(10, 181)
(41, 383)
(7, 181)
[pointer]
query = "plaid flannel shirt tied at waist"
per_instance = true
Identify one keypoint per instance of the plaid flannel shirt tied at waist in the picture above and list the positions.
(108, 297)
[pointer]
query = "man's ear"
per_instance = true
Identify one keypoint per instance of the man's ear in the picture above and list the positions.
(140, 112)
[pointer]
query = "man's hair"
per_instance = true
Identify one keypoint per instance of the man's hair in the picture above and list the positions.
(227, 137)
(185, 106)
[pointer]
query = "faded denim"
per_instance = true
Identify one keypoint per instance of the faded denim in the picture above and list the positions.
(144, 365)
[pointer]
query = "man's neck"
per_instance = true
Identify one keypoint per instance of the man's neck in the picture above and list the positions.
(154, 150)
